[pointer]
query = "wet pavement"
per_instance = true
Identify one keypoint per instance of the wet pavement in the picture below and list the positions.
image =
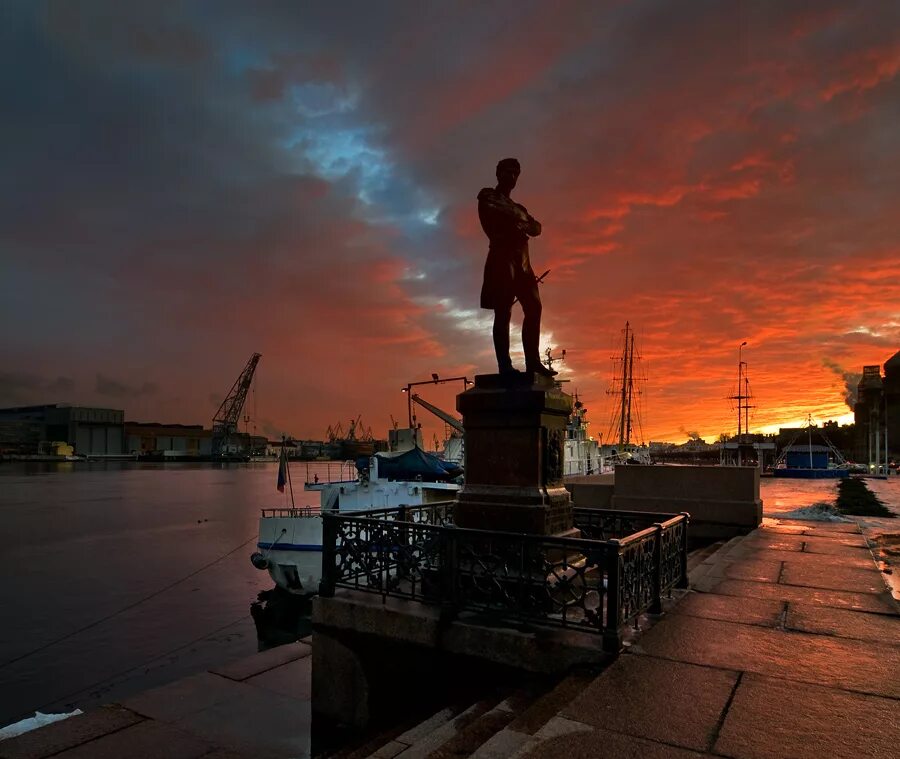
(788, 645)
(258, 706)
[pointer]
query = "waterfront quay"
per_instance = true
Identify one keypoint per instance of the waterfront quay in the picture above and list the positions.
(787, 645)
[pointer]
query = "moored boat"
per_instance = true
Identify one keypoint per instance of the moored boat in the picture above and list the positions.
(290, 538)
(811, 462)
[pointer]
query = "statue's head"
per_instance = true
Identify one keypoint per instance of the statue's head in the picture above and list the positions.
(508, 171)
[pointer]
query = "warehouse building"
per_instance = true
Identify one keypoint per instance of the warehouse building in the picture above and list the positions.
(90, 431)
(187, 440)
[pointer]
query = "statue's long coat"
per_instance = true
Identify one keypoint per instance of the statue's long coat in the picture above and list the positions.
(508, 226)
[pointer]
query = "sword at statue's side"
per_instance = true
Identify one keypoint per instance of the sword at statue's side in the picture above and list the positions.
(538, 280)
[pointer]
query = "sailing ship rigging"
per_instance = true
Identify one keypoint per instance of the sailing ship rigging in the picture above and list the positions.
(626, 429)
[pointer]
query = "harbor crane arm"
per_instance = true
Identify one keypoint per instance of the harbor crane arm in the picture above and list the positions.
(439, 413)
(226, 418)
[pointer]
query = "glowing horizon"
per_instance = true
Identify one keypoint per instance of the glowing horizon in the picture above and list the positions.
(179, 194)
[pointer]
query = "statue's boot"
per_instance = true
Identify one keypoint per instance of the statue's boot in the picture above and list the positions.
(507, 369)
(538, 368)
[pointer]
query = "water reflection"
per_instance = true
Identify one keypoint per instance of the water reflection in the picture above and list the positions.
(124, 575)
(782, 494)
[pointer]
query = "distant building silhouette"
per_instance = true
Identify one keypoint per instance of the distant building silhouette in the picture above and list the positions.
(877, 410)
(97, 431)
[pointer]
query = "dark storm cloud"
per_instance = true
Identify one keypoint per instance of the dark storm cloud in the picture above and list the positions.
(184, 184)
(113, 388)
(25, 388)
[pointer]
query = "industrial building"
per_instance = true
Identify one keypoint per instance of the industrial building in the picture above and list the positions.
(90, 431)
(143, 438)
(877, 413)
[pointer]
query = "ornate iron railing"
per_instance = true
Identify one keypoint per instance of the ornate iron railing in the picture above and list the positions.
(595, 585)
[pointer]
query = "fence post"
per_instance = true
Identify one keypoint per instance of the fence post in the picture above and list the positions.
(329, 555)
(683, 550)
(656, 587)
(449, 572)
(612, 641)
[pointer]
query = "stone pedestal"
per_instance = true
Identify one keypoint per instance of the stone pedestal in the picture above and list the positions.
(515, 433)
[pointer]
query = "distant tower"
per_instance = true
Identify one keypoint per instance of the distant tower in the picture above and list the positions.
(868, 414)
(892, 404)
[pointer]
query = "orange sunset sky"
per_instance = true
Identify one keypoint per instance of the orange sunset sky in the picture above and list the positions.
(185, 184)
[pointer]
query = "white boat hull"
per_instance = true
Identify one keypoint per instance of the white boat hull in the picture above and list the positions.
(290, 540)
(292, 548)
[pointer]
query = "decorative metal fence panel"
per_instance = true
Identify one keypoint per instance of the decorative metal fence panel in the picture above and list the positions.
(596, 585)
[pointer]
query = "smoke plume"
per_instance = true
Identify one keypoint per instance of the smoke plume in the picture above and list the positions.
(850, 379)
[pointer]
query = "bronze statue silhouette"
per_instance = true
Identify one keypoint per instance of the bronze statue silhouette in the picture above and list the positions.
(507, 272)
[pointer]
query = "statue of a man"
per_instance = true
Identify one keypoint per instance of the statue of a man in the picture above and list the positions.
(507, 272)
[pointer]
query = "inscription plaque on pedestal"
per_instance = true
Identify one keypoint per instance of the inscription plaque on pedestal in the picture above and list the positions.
(515, 431)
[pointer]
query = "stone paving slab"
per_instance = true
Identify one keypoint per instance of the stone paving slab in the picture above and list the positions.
(822, 620)
(839, 599)
(604, 744)
(821, 528)
(666, 701)
(771, 719)
(765, 540)
(175, 700)
(757, 570)
(785, 529)
(255, 664)
(836, 662)
(147, 740)
(257, 721)
(855, 559)
(749, 611)
(68, 733)
(294, 679)
(834, 577)
(845, 544)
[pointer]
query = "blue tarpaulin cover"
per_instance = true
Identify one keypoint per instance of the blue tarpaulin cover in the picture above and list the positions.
(413, 464)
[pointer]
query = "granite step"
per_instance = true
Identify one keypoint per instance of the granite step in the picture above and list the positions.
(430, 735)
(530, 725)
(481, 730)
(496, 728)
(377, 745)
(704, 561)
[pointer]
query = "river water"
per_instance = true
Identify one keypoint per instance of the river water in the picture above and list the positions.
(121, 576)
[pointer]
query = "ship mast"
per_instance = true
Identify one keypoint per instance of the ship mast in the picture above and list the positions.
(742, 395)
(623, 417)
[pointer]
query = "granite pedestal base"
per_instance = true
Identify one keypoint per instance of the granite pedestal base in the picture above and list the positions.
(515, 432)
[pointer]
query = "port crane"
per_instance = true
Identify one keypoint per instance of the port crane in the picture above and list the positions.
(225, 422)
(356, 431)
(411, 399)
(439, 413)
